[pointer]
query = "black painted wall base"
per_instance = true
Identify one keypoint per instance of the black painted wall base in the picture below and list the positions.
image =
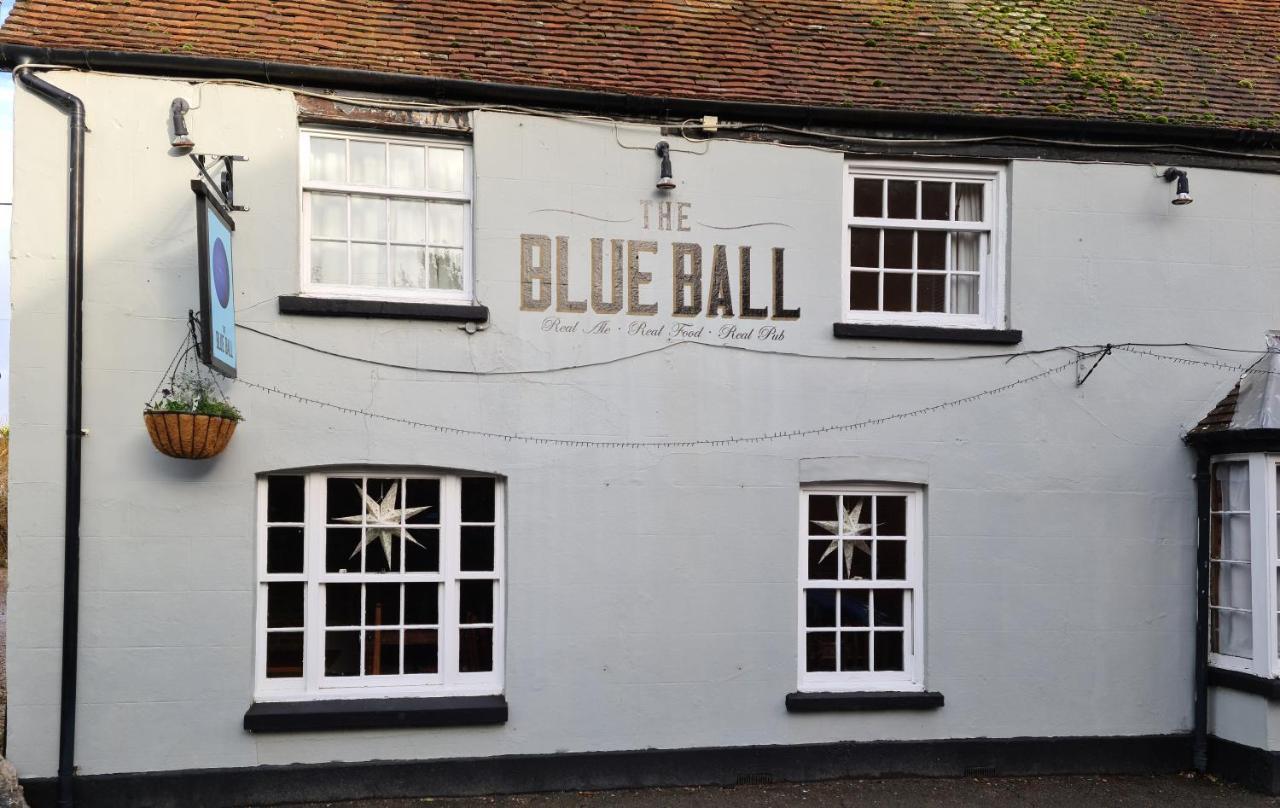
(266, 785)
(1256, 769)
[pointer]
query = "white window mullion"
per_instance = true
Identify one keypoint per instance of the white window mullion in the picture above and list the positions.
(1268, 565)
(313, 562)
(450, 545)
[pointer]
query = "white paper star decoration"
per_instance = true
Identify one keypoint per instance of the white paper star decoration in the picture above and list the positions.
(852, 527)
(383, 522)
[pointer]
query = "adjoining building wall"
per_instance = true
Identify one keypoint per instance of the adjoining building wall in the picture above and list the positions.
(651, 594)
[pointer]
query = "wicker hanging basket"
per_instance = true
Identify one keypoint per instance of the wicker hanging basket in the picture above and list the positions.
(187, 435)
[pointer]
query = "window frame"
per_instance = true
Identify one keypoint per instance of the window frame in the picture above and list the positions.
(465, 197)
(911, 678)
(1264, 566)
(313, 685)
(992, 283)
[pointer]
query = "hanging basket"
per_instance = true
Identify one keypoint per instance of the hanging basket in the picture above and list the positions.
(187, 435)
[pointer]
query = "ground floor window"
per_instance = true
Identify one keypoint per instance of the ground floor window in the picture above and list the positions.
(1244, 563)
(861, 596)
(375, 583)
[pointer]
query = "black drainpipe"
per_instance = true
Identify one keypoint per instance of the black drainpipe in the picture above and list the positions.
(74, 108)
(1200, 733)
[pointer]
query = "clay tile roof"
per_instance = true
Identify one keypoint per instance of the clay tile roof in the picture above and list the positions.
(1219, 418)
(1207, 62)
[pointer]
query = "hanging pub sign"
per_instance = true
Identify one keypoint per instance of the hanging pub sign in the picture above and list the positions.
(214, 227)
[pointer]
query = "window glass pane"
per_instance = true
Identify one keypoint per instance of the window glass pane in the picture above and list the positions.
(897, 248)
(342, 653)
(475, 650)
(445, 166)
(420, 650)
(328, 215)
(409, 267)
(382, 549)
(824, 559)
(408, 166)
(891, 516)
(935, 200)
(421, 604)
(477, 499)
(422, 498)
(1231, 633)
(820, 651)
(868, 198)
(902, 199)
(447, 224)
(888, 645)
(888, 609)
(284, 654)
(368, 218)
(284, 550)
(409, 221)
(857, 559)
(328, 262)
(342, 549)
(446, 268)
(864, 247)
(382, 652)
(368, 265)
(284, 605)
(931, 293)
(820, 608)
(855, 651)
(964, 294)
(891, 560)
(864, 291)
(968, 202)
(823, 519)
(1230, 586)
(344, 500)
(476, 554)
(285, 499)
(382, 604)
(475, 602)
(1234, 532)
(342, 604)
(854, 608)
(1230, 489)
(368, 163)
(422, 554)
(897, 291)
(328, 159)
(931, 249)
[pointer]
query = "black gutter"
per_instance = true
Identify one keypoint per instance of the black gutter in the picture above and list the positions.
(74, 108)
(281, 73)
(1200, 725)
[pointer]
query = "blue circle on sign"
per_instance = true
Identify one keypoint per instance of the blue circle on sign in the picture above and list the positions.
(221, 273)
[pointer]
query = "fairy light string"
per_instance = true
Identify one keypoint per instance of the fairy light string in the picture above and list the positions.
(665, 444)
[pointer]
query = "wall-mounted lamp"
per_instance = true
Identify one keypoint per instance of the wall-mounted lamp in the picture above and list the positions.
(177, 115)
(665, 183)
(1183, 195)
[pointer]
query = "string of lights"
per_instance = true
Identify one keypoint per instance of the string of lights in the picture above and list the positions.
(1182, 360)
(585, 443)
(666, 346)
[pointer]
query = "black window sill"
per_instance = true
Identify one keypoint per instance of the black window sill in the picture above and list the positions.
(929, 333)
(1246, 682)
(863, 701)
(307, 716)
(394, 309)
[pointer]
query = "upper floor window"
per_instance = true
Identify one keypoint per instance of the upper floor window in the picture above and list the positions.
(924, 245)
(379, 584)
(386, 217)
(861, 593)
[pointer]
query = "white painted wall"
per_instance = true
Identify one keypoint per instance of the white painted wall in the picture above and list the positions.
(651, 594)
